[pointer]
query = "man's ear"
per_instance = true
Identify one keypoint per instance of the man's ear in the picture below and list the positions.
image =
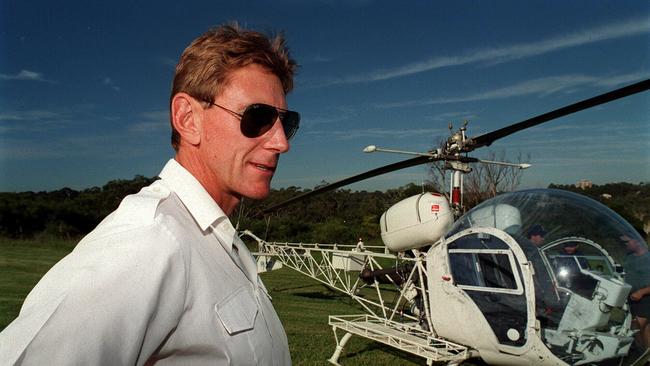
(187, 118)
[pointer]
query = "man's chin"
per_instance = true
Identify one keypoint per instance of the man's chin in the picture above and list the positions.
(258, 194)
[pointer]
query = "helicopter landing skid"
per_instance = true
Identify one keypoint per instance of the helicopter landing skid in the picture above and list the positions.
(398, 335)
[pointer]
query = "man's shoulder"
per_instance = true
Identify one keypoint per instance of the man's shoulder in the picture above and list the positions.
(645, 260)
(138, 215)
(633, 261)
(643, 257)
(140, 208)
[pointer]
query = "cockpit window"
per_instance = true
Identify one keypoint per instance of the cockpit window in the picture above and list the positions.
(483, 270)
(581, 254)
(485, 267)
(482, 262)
(569, 273)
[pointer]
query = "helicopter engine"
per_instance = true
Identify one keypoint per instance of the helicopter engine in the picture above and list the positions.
(416, 221)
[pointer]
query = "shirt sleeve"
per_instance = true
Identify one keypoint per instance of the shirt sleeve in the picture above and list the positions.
(112, 301)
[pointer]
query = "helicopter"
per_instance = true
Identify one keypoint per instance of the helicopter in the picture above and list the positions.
(450, 285)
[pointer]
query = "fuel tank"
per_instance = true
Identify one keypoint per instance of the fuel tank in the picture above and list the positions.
(416, 221)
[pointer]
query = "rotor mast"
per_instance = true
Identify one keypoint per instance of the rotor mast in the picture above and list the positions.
(454, 146)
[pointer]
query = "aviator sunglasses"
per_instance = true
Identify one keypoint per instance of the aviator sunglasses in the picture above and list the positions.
(258, 119)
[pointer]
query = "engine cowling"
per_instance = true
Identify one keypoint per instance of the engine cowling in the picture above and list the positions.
(415, 222)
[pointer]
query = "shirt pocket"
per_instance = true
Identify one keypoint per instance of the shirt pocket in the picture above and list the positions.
(237, 312)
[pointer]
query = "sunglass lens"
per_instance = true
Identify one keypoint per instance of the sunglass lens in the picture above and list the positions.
(258, 119)
(290, 122)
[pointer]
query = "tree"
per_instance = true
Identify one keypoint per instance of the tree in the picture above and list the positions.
(487, 180)
(484, 181)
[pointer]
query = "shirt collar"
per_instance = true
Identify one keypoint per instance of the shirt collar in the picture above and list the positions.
(196, 199)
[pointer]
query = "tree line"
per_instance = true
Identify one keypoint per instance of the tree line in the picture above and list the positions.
(631, 201)
(65, 212)
(340, 216)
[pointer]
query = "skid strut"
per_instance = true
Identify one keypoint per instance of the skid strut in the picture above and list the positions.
(339, 346)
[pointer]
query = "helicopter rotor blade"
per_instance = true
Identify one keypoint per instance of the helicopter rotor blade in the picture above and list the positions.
(488, 138)
(369, 174)
(475, 142)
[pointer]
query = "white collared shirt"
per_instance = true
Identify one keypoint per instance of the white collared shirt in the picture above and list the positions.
(155, 281)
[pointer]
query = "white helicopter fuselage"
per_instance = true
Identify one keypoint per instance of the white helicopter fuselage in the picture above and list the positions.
(490, 287)
(478, 287)
(419, 220)
(456, 316)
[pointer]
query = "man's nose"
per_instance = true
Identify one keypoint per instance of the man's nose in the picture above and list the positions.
(278, 139)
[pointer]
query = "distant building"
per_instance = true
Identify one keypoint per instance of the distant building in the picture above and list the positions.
(606, 196)
(584, 184)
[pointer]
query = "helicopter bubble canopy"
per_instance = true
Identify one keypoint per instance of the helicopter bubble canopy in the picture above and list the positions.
(553, 215)
(576, 246)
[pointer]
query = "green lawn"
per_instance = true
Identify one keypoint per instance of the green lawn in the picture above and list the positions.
(302, 304)
(22, 264)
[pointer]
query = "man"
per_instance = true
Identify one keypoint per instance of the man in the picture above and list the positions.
(571, 249)
(165, 278)
(536, 235)
(637, 274)
(360, 247)
(546, 296)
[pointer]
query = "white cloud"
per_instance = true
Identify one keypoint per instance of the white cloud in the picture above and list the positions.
(28, 115)
(540, 87)
(492, 56)
(378, 133)
(109, 83)
(84, 144)
(31, 121)
(43, 121)
(154, 121)
(317, 59)
(168, 61)
(149, 127)
(30, 151)
(454, 116)
(623, 79)
(26, 75)
(161, 115)
(322, 120)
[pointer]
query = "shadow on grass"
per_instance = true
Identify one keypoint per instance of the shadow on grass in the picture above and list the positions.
(380, 347)
(321, 295)
(350, 357)
(283, 289)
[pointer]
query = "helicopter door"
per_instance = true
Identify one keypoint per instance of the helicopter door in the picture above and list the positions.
(483, 264)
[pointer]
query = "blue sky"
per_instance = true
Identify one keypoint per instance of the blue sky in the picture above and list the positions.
(84, 86)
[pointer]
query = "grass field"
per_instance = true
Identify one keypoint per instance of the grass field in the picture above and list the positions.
(302, 304)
